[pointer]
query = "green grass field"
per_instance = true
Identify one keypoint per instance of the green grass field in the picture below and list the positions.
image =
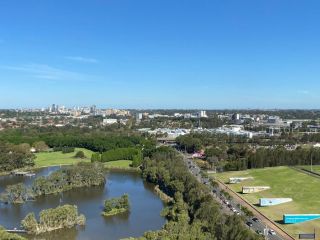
(315, 168)
(285, 183)
(45, 159)
(118, 164)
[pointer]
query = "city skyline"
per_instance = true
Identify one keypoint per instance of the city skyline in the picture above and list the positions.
(168, 55)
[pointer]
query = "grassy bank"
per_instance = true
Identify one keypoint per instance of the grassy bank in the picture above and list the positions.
(285, 183)
(120, 165)
(46, 159)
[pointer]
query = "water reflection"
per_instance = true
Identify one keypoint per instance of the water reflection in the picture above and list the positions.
(143, 216)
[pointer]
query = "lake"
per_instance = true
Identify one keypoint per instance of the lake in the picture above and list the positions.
(144, 214)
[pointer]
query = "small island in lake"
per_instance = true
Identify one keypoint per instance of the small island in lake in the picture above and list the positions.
(65, 216)
(115, 206)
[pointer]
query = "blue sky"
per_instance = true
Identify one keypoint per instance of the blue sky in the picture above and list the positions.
(160, 54)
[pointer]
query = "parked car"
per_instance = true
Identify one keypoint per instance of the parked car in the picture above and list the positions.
(259, 232)
(249, 224)
(255, 219)
(272, 232)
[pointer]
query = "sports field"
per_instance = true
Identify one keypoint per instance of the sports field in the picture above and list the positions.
(45, 159)
(285, 183)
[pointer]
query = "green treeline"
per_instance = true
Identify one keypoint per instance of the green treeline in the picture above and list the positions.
(15, 156)
(133, 154)
(115, 206)
(230, 154)
(80, 175)
(65, 216)
(282, 157)
(119, 154)
(64, 149)
(193, 214)
(95, 140)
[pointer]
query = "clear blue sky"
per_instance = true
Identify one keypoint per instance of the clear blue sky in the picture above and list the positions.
(160, 54)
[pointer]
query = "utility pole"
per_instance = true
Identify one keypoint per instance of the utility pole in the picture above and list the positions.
(311, 161)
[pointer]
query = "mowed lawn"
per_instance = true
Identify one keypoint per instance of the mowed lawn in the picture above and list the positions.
(118, 164)
(285, 183)
(315, 168)
(45, 159)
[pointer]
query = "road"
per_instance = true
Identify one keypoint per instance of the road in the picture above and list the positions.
(259, 223)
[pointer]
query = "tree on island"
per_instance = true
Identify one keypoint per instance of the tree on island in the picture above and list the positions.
(115, 206)
(65, 216)
(80, 175)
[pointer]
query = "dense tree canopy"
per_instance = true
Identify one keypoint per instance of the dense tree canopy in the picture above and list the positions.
(15, 156)
(80, 175)
(95, 140)
(194, 214)
(65, 216)
(116, 205)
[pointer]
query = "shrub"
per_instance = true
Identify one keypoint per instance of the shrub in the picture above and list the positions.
(80, 154)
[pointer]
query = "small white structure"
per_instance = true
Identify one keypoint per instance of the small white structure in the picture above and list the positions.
(33, 150)
(239, 179)
(273, 201)
(254, 189)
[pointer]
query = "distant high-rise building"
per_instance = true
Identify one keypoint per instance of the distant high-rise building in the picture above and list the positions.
(203, 114)
(236, 116)
(139, 117)
(53, 108)
(93, 109)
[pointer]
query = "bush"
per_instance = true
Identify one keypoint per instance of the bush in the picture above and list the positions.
(80, 154)
(96, 157)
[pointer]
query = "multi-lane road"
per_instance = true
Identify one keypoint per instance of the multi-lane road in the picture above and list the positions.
(258, 224)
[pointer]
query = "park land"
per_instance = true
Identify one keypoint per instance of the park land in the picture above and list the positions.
(45, 159)
(285, 182)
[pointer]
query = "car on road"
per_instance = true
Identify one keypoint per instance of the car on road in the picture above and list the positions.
(259, 232)
(272, 232)
(249, 224)
(255, 219)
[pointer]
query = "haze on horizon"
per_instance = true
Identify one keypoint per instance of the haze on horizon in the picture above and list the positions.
(160, 54)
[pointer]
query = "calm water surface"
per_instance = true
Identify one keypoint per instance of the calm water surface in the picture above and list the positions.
(143, 216)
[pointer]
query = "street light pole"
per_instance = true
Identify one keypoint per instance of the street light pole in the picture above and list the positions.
(311, 161)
